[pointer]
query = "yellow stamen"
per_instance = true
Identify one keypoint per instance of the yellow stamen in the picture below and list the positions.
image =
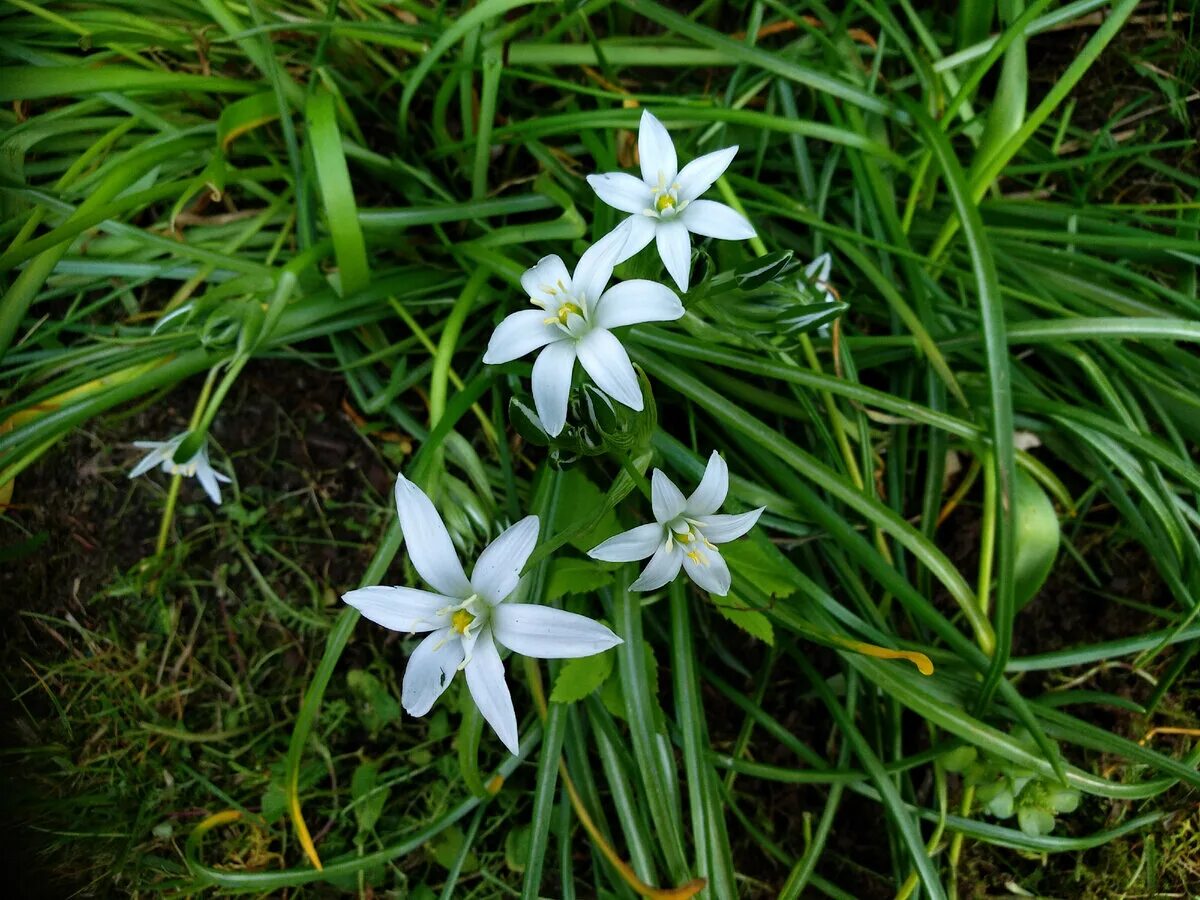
(696, 557)
(566, 310)
(461, 621)
(664, 201)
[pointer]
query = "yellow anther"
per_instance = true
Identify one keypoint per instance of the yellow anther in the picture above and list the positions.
(664, 201)
(461, 621)
(696, 557)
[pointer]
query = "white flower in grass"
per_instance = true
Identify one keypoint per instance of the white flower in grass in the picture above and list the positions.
(197, 467)
(685, 533)
(574, 319)
(470, 618)
(817, 275)
(663, 204)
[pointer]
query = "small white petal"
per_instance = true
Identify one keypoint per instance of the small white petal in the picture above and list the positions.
(666, 499)
(208, 480)
(430, 670)
(547, 281)
(622, 191)
(521, 333)
(636, 301)
(428, 542)
(603, 357)
(499, 566)
(551, 384)
(636, 543)
(662, 568)
(596, 265)
(158, 452)
(401, 608)
(724, 528)
(716, 220)
(710, 493)
(656, 151)
(675, 249)
(153, 445)
(818, 270)
(639, 231)
(698, 176)
(485, 678)
(712, 573)
(547, 633)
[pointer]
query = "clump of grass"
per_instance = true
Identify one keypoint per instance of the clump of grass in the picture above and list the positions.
(203, 197)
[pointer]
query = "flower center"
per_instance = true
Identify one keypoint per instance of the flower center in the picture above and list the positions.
(565, 311)
(664, 199)
(691, 538)
(461, 621)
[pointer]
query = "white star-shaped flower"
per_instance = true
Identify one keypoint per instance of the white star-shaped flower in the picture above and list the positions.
(574, 320)
(816, 275)
(197, 467)
(470, 618)
(663, 204)
(684, 533)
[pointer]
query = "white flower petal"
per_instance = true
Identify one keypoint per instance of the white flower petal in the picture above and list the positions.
(710, 493)
(639, 231)
(596, 265)
(675, 249)
(818, 270)
(636, 301)
(603, 357)
(716, 220)
(551, 384)
(711, 573)
(208, 480)
(547, 633)
(636, 543)
(485, 678)
(662, 568)
(430, 670)
(698, 176)
(499, 566)
(666, 499)
(622, 191)
(158, 452)
(546, 281)
(429, 545)
(656, 151)
(521, 333)
(724, 528)
(401, 608)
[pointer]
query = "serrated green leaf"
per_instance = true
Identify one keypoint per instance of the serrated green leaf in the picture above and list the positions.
(750, 621)
(579, 677)
(762, 564)
(576, 576)
(579, 501)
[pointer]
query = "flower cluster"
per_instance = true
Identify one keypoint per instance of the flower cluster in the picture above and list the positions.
(574, 318)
